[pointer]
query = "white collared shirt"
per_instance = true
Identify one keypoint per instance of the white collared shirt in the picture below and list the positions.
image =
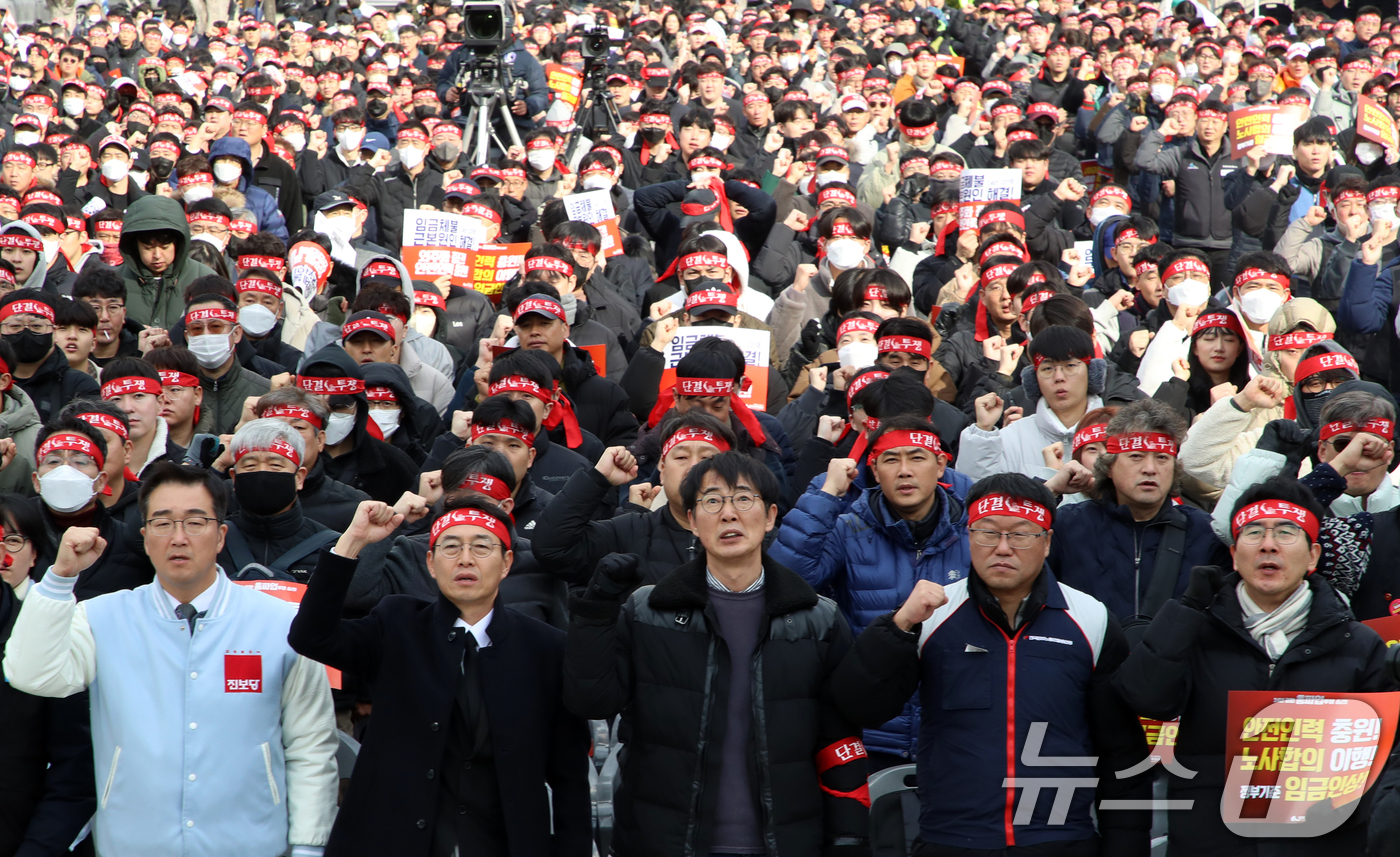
(201, 601)
(478, 630)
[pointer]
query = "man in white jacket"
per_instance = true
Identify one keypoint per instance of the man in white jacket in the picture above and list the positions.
(211, 735)
(1186, 278)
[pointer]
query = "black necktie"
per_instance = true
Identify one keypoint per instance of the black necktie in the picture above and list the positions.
(189, 614)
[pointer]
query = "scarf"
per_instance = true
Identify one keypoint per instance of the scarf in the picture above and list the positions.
(1274, 631)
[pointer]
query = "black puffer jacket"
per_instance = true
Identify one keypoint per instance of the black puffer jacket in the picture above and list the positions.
(1189, 661)
(660, 662)
(268, 537)
(1202, 219)
(327, 501)
(54, 384)
(573, 542)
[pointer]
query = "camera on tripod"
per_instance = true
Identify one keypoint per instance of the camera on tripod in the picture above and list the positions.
(596, 42)
(486, 25)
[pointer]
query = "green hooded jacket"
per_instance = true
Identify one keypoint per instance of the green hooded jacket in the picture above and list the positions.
(150, 299)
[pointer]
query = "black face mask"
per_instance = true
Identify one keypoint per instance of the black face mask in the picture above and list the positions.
(652, 136)
(265, 492)
(698, 285)
(30, 347)
(161, 167)
(425, 111)
(1312, 404)
(911, 187)
(712, 322)
(377, 107)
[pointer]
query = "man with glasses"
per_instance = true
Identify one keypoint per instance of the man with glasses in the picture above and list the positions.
(1130, 546)
(718, 671)
(904, 529)
(1008, 645)
(192, 655)
(41, 370)
(1271, 625)
(474, 744)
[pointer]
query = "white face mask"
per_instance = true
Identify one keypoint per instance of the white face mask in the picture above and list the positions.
(1162, 92)
(424, 323)
(66, 489)
(345, 84)
(1384, 211)
(180, 39)
(296, 140)
(350, 140)
(824, 179)
(139, 178)
(219, 56)
(1188, 293)
(210, 239)
(597, 181)
(257, 319)
(1259, 305)
(26, 138)
(51, 250)
(388, 421)
(702, 176)
(858, 355)
(540, 159)
(1099, 213)
(790, 62)
(844, 253)
(721, 141)
(19, 84)
(211, 349)
(411, 157)
(896, 67)
(338, 428)
(321, 54)
(1191, 70)
(1368, 153)
(194, 193)
(1232, 57)
(227, 172)
(115, 171)
(392, 61)
(73, 106)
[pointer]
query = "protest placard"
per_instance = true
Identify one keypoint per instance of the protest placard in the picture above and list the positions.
(754, 344)
(485, 269)
(593, 206)
(1287, 752)
(440, 229)
(292, 592)
(1373, 122)
(979, 187)
(566, 82)
(1270, 126)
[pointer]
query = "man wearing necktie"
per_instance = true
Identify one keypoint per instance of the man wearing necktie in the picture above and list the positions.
(211, 735)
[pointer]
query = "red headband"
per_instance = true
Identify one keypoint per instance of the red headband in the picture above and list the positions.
(839, 194)
(1325, 362)
(899, 438)
(293, 412)
(520, 384)
(331, 386)
(1250, 274)
(21, 241)
(904, 344)
(48, 221)
(694, 435)
(1088, 435)
(996, 272)
(275, 264)
(1001, 504)
(862, 381)
(207, 217)
(196, 178)
(258, 284)
(380, 394)
(351, 328)
(1143, 441)
(277, 447)
(506, 427)
(130, 384)
(484, 483)
(108, 226)
(918, 133)
(548, 263)
(476, 209)
(1274, 509)
(1035, 299)
(1227, 320)
(1384, 428)
(546, 305)
(469, 518)
(26, 308)
(73, 443)
(852, 325)
(105, 421)
(707, 260)
(1186, 265)
(211, 314)
(1001, 215)
(235, 225)
(1296, 339)
(1112, 192)
(176, 378)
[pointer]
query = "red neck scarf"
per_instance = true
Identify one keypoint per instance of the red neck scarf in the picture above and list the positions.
(667, 400)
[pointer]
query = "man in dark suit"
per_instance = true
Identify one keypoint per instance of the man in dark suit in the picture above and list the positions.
(468, 722)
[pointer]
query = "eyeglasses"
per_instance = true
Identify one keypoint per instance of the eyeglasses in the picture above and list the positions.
(15, 543)
(480, 550)
(992, 538)
(102, 309)
(39, 327)
(1047, 369)
(1312, 384)
(1284, 534)
(72, 459)
(712, 504)
(165, 527)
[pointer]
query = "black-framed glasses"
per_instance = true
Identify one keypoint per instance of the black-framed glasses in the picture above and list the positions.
(165, 527)
(14, 543)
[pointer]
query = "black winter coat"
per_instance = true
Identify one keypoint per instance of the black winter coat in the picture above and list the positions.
(269, 537)
(54, 384)
(658, 660)
(1202, 219)
(410, 653)
(403, 192)
(374, 467)
(328, 501)
(124, 565)
(1189, 661)
(573, 542)
(600, 404)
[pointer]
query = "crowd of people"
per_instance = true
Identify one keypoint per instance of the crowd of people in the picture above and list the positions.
(808, 461)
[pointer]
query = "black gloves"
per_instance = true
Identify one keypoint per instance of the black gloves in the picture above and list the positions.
(614, 577)
(810, 343)
(1206, 580)
(1288, 439)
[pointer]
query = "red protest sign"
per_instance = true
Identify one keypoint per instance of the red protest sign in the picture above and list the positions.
(486, 269)
(565, 81)
(1387, 626)
(1289, 752)
(612, 237)
(1270, 126)
(293, 592)
(1373, 122)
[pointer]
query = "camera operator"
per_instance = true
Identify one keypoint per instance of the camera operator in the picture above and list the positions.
(516, 65)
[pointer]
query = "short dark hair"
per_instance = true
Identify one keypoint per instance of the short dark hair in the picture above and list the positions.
(731, 468)
(95, 406)
(74, 313)
(173, 357)
(163, 473)
(462, 463)
(485, 506)
(126, 367)
(529, 363)
(1280, 488)
(493, 409)
(1018, 486)
(99, 281)
(70, 425)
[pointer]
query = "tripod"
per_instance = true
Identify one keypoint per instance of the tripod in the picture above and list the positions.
(483, 82)
(595, 99)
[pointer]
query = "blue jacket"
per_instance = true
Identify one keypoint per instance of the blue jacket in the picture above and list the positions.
(871, 564)
(260, 202)
(1099, 549)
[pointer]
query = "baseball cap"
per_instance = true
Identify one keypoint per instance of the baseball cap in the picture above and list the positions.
(705, 300)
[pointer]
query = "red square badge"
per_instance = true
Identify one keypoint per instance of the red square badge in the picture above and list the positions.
(242, 673)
